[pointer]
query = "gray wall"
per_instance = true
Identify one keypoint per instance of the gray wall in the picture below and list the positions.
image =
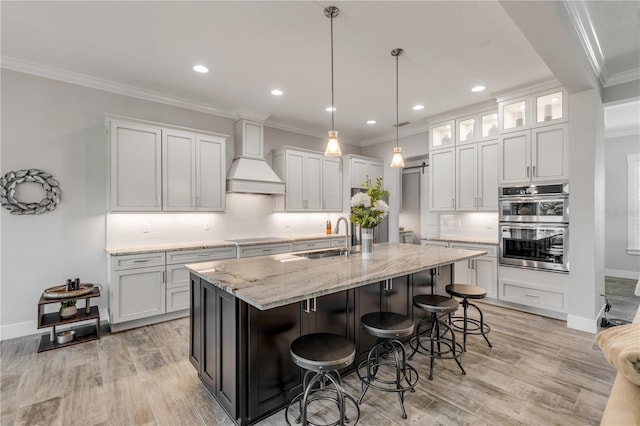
(617, 262)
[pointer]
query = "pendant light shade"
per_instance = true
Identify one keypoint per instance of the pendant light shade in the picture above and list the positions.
(333, 146)
(397, 161)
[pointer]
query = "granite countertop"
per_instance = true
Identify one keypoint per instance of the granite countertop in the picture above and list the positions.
(270, 281)
(155, 248)
(462, 239)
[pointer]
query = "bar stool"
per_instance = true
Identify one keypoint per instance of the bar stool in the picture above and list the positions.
(441, 346)
(322, 354)
(466, 292)
(386, 368)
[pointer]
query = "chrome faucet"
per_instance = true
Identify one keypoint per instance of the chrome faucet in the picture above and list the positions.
(346, 232)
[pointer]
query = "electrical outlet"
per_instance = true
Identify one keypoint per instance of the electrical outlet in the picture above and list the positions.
(145, 227)
(206, 225)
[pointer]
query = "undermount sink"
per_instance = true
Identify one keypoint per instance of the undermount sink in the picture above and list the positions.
(323, 253)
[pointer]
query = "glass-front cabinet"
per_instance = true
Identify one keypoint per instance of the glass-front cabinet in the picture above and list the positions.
(488, 125)
(514, 114)
(549, 107)
(442, 135)
(466, 130)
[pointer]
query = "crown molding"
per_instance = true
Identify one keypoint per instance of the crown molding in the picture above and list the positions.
(52, 73)
(391, 136)
(623, 77)
(462, 111)
(527, 88)
(289, 128)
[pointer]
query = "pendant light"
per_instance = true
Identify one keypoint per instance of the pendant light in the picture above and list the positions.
(333, 146)
(397, 161)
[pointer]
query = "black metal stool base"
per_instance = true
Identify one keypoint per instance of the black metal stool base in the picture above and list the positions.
(386, 369)
(316, 390)
(440, 346)
(478, 327)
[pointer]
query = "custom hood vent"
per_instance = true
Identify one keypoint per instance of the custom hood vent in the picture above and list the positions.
(249, 172)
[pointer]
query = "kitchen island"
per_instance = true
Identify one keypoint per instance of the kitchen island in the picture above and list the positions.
(246, 312)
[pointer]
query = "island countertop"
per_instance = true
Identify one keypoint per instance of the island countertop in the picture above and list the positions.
(267, 282)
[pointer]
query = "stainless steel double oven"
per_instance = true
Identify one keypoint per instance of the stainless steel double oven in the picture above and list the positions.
(534, 226)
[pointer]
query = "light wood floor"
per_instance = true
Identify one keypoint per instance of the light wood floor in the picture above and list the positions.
(538, 372)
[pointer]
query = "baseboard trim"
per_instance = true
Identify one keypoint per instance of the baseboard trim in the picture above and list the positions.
(584, 324)
(621, 273)
(29, 328)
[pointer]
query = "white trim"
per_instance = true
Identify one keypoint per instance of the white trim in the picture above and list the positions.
(620, 273)
(29, 328)
(618, 132)
(289, 128)
(39, 70)
(583, 324)
(633, 203)
(403, 133)
(623, 77)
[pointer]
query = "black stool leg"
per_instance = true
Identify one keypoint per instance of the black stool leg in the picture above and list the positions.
(481, 325)
(453, 348)
(465, 304)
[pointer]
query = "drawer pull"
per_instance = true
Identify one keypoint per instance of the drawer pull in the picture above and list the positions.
(141, 261)
(532, 295)
(204, 255)
(266, 250)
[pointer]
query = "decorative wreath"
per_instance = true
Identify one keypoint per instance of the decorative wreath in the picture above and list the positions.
(8, 185)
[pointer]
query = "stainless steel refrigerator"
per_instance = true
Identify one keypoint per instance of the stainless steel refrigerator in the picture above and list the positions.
(380, 232)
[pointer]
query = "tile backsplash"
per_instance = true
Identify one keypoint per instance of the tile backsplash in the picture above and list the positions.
(473, 224)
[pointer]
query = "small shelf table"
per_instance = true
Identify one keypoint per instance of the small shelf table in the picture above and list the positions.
(83, 333)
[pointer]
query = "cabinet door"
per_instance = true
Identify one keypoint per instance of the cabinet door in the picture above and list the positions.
(375, 171)
(550, 152)
(210, 173)
(487, 192)
(332, 313)
(313, 182)
(442, 170)
(135, 181)
(466, 198)
(138, 293)
(422, 282)
(462, 272)
(195, 348)
(515, 157)
(274, 379)
(178, 167)
(227, 352)
(331, 184)
(368, 299)
(295, 181)
(358, 172)
(208, 371)
(485, 275)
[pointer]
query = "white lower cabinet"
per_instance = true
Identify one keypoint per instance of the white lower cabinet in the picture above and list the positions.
(311, 245)
(540, 290)
(154, 287)
(481, 271)
(263, 250)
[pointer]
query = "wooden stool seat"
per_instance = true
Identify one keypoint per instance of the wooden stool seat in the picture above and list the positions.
(466, 290)
(463, 323)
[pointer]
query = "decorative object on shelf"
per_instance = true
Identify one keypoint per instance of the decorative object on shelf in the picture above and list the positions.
(548, 114)
(368, 210)
(445, 140)
(11, 180)
(65, 336)
(68, 309)
(333, 146)
(61, 292)
(397, 161)
(493, 130)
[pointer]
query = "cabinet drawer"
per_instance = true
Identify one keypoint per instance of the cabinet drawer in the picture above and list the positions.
(132, 261)
(193, 256)
(264, 250)
(542, 298)
(338, 242)
(490, 249)
(178, 298)
(435, 243)
(311, 245)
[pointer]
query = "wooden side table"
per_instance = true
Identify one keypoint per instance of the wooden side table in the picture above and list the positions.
(82, 333)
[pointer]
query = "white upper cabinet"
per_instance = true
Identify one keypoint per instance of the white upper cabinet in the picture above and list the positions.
(537, 155)
(542, 108)
(135, 157)
(442, 168)
(210, 173)
(514, 114)
(477, 176)
(305, 179)
(549, 107)
(488, 125)
(466, 130)
(363, 168)
(193, 172)
(164, 169)
(331, 184)
(442, 135)
(488, 175)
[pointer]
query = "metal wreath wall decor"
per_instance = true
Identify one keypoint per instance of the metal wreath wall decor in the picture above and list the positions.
(11, 180)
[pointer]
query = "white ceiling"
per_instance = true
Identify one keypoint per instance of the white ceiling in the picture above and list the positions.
(148, 48)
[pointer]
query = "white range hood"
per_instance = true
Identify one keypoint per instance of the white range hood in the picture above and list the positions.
(249, 172)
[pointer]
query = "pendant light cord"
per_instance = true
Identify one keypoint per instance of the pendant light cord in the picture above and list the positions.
(333, 127)
(397, 56)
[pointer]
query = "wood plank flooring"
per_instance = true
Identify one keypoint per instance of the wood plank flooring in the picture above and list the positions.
(538, 372)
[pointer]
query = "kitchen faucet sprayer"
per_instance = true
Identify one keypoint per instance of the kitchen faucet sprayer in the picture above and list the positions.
(346, 232)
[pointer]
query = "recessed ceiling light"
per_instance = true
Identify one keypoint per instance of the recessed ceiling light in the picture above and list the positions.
(201, 69)
(418, 107)
(371, 121)
(277, 92)
(478, 88)
(330, 109)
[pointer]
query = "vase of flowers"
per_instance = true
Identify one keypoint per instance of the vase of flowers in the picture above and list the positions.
(368, 209)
